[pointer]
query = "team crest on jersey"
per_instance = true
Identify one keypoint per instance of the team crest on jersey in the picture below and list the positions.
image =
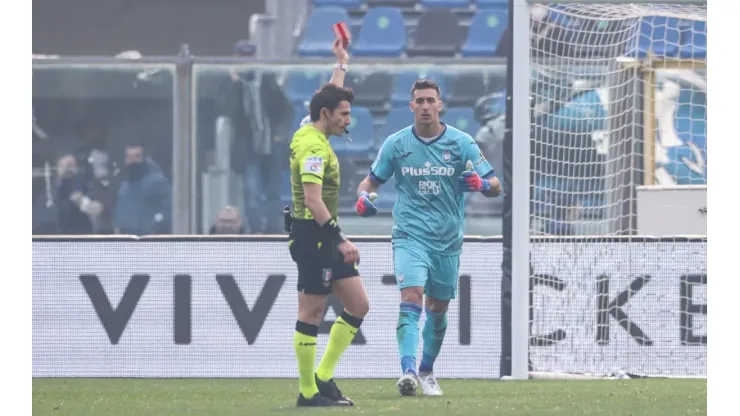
(446, 156)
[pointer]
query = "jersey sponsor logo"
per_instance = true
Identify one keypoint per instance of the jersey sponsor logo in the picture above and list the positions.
(314, 164)
(428, 170)
(430, 187)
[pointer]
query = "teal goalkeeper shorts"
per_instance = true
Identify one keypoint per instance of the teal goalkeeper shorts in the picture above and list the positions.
(417, 267)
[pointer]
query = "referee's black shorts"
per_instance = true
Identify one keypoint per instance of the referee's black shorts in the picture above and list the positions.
(319, 261)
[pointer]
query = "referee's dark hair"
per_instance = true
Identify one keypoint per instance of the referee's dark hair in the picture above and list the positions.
(329, 97)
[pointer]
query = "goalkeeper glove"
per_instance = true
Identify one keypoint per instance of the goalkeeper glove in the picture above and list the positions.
(365, 205)
(470, 181)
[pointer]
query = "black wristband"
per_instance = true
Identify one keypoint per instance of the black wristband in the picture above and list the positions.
(332, 230)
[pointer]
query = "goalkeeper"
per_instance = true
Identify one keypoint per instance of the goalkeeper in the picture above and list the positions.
(433, 165)
(326, 259)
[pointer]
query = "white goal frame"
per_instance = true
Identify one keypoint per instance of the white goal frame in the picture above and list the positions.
(520, 170)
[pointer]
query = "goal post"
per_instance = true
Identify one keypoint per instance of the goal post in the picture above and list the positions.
(604, 97)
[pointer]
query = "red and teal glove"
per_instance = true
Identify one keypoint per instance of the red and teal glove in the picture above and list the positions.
(365, 205)
(470, 181)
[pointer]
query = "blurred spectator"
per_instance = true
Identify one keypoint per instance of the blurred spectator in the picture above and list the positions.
(261, 116)
(44, 207)
(490, 112)
(144, 204)
(91, 146)
(74, 206)
(228, 221)
(101, 188)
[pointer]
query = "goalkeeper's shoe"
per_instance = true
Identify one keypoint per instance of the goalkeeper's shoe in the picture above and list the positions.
(329, 389)
(429, 384)
(407, 384)
(317, 401)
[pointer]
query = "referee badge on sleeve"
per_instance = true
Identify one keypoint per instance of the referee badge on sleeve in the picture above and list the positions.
(314, 164)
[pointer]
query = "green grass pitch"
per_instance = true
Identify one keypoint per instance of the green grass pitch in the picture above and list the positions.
(214, 397)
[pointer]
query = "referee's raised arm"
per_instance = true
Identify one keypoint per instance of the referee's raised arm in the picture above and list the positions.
(326, 259)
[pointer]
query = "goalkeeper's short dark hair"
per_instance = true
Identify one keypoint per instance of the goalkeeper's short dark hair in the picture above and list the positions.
(425, 84)
(329, 97)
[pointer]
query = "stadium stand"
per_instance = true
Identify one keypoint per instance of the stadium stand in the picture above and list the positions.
(461, 118)
(383, 33)
(485, 31)
(401, 94)
(445, 4)
(371, 90)
(438, 33)
(499, 4)
(318, 37)
(403, 4)
(400, 30)
(356, 4)
(465, 88)
(300, 85)
(397, 119)
(362, 133)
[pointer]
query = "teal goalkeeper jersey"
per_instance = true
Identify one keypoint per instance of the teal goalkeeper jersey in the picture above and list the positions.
(430, 208)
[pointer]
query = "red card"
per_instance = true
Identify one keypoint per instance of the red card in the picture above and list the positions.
(342, 32)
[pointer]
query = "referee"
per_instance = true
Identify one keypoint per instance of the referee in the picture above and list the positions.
(326, 259)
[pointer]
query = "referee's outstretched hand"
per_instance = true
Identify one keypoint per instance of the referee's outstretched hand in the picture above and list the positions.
(349, 251)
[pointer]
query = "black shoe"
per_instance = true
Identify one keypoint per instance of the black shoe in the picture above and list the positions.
(330, 390)
(317, 401)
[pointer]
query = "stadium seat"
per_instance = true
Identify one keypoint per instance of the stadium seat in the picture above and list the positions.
(501, 4)
(445, 4)
(485, 32)
(438, 34)
(301, 85)
(371, 90)
(462, 119)
(404, 4)
(693, 43)
(362, 133)
(349, 4)
(402, 85)
(657, 36)
(397, 119)
(465, 88)
(318, 35)
(383, 33)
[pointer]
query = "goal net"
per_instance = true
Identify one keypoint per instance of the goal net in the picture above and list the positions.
(618, 107)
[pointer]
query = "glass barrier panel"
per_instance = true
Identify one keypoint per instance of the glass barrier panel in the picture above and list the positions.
(245, 117)
(102, 148)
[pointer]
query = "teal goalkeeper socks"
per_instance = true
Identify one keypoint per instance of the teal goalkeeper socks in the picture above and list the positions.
(407, 335)
(435, 328)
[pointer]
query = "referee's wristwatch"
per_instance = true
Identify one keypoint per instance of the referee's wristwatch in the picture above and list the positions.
(343, 67)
